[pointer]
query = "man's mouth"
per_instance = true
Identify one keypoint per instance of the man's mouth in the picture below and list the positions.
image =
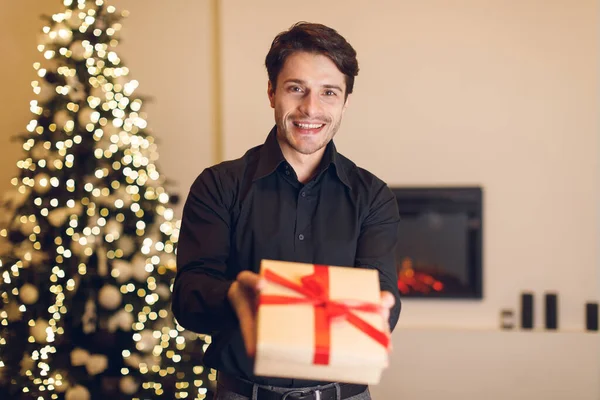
(308, 126)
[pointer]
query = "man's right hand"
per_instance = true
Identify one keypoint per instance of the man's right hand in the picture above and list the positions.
(243, 296)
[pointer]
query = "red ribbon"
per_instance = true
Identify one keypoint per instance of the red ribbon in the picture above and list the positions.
(315, 289)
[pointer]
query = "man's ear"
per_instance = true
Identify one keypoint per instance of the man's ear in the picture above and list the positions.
(271, 94)
(346, 103)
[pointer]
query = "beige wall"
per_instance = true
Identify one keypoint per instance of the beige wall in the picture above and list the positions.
(497, 93)
(502, 94)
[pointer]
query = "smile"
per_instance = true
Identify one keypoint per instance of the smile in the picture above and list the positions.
(308, 126)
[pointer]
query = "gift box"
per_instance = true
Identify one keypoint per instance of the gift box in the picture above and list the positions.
(321, 323)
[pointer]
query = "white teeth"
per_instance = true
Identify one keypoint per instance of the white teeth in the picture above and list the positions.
(309, 126)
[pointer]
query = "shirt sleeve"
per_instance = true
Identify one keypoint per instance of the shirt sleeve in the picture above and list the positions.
(377, 242)
(200, 302)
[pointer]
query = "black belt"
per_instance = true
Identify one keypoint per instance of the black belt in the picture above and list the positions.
(244, 388)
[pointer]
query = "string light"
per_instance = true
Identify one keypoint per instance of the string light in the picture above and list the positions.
(123, 186)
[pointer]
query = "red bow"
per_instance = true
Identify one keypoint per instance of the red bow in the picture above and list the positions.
(315, 288)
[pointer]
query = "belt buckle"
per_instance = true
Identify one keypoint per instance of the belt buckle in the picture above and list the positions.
(317, 393)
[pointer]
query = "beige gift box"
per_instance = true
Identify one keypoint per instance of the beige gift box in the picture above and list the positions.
(286, 335)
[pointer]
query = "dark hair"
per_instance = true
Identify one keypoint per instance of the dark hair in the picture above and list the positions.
(312, 38)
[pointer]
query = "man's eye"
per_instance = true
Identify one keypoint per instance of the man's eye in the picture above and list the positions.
(330, 93)
(296, 89)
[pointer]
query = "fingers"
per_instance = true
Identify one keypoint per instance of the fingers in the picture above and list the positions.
(387, 302)
(246, 288)
(250, 281)
(387, 299)
(243, 301)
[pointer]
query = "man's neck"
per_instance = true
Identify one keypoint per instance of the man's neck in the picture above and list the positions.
(305, 165)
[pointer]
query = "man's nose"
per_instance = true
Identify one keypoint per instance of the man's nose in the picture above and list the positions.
(310, 104)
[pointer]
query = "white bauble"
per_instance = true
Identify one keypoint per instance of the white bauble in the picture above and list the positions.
(74, 22)
(163, 291)
(122, 320)
(47, 91)
(42, 183)
(109, 297)
(77, 392)
(39, 152)
(79, 357)
(123, 270)
(38, 331)
(79, 250)
(13, 312)
(64, 34)
(139, 268)
(78, 51)
(27, 364)
(25, 252)
(27, 227)
(61, 118)
(128, 385)
(127, 245)
(133, 361)
(60, 385)
(59, 216)
(96, 364)
(29, 294)
(147, 341)
(84, 116)
(114, 228)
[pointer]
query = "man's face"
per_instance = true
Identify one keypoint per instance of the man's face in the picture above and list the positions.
(309, 102)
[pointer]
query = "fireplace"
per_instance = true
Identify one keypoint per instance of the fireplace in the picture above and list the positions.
(439, 251)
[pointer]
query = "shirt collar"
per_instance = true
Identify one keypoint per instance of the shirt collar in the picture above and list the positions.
(271, 158)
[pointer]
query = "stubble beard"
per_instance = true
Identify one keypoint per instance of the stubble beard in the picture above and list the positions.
(305, 148)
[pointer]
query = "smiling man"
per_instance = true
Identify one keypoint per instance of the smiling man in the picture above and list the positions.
(294, 198)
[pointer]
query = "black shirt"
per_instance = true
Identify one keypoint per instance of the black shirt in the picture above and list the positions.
(242, 211)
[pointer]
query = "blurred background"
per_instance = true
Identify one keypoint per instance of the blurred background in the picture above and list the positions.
(500, 94)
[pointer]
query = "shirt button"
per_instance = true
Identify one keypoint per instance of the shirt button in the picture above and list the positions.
(301, 236)
(287, 172)
(303, 194)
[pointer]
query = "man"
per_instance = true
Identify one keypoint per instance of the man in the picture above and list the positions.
(295, 198)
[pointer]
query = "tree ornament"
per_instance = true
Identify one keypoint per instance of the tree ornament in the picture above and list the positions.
(12, 309)
(109, 297)
(63, 33)
(121, 320)
(78, 51)
(61, 118)
(147, 341)
(139, 271)
(128, 385)
(127, 244)
(89, 318)
(122, 270)
(47, 91)
(163, 291)
(73, 21)
(39, 152)
(58, 217)
(96, 364)
(29, 294)
(113, 228)
(84, 116)
(77, 392)
(79, 357)
(39, 330)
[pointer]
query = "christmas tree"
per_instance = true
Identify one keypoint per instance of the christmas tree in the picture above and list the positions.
(87, 257)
